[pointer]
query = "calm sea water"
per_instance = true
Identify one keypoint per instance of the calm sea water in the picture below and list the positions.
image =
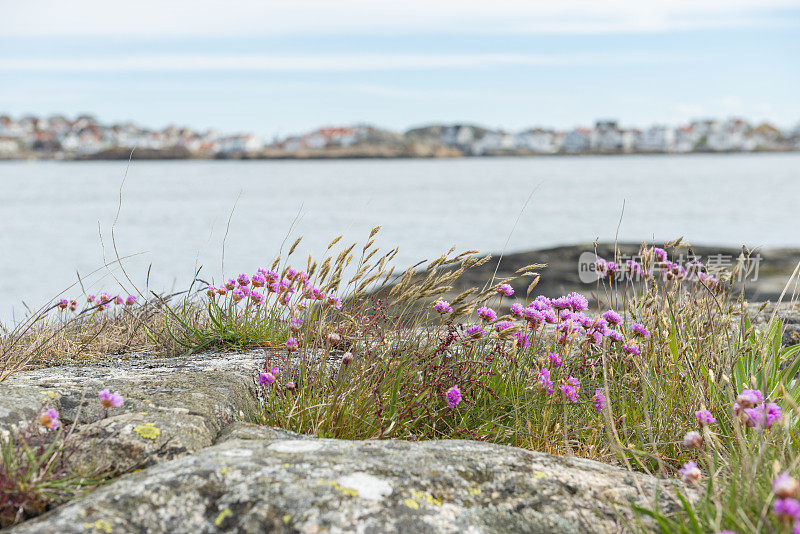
(174, 214)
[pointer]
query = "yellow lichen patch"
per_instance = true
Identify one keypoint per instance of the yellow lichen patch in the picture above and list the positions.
(417, 494)
(224, 470)
(539, 474)
(350, 492)
(226, 513)
(49, 394)
(411, 503)
(430, 499)
(285, 466)
(474, 491)
(100, 525)
(148, 431)
(287, 518)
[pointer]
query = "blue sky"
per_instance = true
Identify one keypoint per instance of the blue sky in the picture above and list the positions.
(281, 67)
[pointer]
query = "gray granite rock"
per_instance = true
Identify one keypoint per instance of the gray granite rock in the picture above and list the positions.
(268, 483)
(172, 406)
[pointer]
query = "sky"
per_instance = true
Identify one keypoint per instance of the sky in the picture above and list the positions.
(282, 67)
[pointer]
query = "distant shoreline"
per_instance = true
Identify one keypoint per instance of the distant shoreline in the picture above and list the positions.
(150, 155)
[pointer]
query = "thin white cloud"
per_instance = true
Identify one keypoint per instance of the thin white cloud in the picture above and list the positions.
(168, 18)
(321, 62)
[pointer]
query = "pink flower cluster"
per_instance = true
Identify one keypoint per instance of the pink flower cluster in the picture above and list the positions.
(453, 396)
(260, 286)
(103, 301)
(754, 412)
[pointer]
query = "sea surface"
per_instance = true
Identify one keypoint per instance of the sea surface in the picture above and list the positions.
(57, 219)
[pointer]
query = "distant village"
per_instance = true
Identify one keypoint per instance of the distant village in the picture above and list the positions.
(84, 137)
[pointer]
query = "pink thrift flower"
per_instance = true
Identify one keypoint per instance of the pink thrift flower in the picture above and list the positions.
(545, 383)
(784, 486)
(505, 289)
(517, 309)
(292, 344)
(211, 291)
(442, 306)
(63, 304)
(612, 317)
(615, 336)
(555, 358)
(110, 400)
(599, 401)
(764, 415)
(243, 279)
(502, 325)
(295, 324)
(334, 338)
(693, 440)
(786, 509)
(705, 417)
(570, 388)
(336, 302)
(749, 398)
(453, 396)
(640, 330)
(131, 300)
(266, 379)
(487, 314)
(632, 348)
(522, 339)
(49, 419)
(119, 300)
(476, 331)
(690, 472)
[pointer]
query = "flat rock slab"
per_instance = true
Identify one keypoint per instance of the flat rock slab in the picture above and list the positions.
(275, 482)
(203, 470)
(172, 406)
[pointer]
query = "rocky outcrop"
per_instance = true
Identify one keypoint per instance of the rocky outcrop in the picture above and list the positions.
(172, 406)
(204, 470)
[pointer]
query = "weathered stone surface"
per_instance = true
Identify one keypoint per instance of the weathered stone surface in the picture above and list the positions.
(172, 406)
(268, 483)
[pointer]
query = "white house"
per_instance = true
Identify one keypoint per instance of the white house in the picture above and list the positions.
(539, 140)
(492, 142)
(236, 144)
(577, 140)
(656, 139)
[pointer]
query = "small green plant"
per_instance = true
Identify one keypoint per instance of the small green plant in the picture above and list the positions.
(42, 465)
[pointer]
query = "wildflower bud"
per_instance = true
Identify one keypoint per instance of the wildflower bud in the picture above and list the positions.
(110, 400)
(63, 304)
(693, 440)
(347, 358)
(690, 472)
(749, 398)
(334, 338)
(291, 386)
(73, 305)
(784, 486)
(49, 419)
